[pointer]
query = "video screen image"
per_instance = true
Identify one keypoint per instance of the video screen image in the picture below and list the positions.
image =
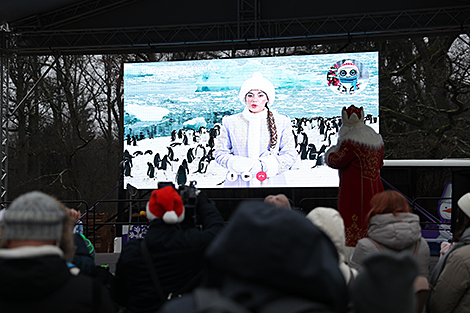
(206, 121)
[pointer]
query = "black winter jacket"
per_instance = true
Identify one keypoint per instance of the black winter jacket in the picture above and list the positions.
(177, 254)
(38, 280)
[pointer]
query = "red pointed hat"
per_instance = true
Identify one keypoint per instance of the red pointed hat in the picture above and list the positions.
(166, 203)
(352, 116)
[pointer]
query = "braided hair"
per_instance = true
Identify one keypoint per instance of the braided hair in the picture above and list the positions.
(272, 129)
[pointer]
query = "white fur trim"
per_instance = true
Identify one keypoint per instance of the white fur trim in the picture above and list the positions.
(362, 134)
(333, 149)
(149, 214)
(30, 252)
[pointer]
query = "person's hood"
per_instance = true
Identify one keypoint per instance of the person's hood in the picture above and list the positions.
(331, 223)
(395, 231)
(281, 250)
(32, 271)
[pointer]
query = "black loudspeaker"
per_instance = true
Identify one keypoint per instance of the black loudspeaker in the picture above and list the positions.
(460, 186)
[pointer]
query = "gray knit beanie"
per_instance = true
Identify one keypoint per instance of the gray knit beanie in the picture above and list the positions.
(33, 215)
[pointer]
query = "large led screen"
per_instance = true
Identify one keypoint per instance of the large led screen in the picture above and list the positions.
(191, 120)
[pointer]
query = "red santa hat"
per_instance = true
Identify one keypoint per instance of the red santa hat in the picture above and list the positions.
(166, 203)
(353, 116)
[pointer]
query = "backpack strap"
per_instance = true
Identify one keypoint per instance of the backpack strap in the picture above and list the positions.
(210, 300)
(151, 268)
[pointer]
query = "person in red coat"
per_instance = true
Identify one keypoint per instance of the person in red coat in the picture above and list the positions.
(358, 156)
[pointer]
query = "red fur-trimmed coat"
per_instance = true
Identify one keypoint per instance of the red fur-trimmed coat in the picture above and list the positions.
(359, 172)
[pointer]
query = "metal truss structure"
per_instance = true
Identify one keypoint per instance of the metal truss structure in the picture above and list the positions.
(248, 32)
(51, 33)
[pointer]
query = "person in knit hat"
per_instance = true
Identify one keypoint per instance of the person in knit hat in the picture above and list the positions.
(385, 284)
(450, 277)
(34, 228)
(257, 145)
(358, 156)
(176, 252)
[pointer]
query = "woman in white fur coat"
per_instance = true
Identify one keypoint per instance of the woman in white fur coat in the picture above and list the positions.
(257, 145)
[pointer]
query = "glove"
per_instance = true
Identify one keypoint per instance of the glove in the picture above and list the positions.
(270, 165)
(202, 199)
(240, 164)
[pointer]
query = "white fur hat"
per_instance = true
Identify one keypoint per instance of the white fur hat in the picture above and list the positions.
(464, 204)
(257, 81)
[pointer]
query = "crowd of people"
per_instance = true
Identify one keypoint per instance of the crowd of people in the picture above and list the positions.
(267, 257)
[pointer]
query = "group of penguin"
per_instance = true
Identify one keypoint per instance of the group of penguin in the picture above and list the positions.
(200, 148)
(326, 127)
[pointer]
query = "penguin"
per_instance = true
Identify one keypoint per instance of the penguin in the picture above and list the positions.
(295, 138)
(185, 165)
(200, 146)
(148, 152)
(136, 153)
(202, 166)
(210, 155)
(211, 143)
(128, 156)
(304, 139)
(157, 160)
(173, 135)
(312, 152)
(180, 134)
(127, 167)
(319, 161)
(329, 139)
(185, 140)
(322, 127)
(164, 164)
(303, 151)
(181, 177)
(171, 154)
(174, 144)
(150, 170)
(190, 155)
